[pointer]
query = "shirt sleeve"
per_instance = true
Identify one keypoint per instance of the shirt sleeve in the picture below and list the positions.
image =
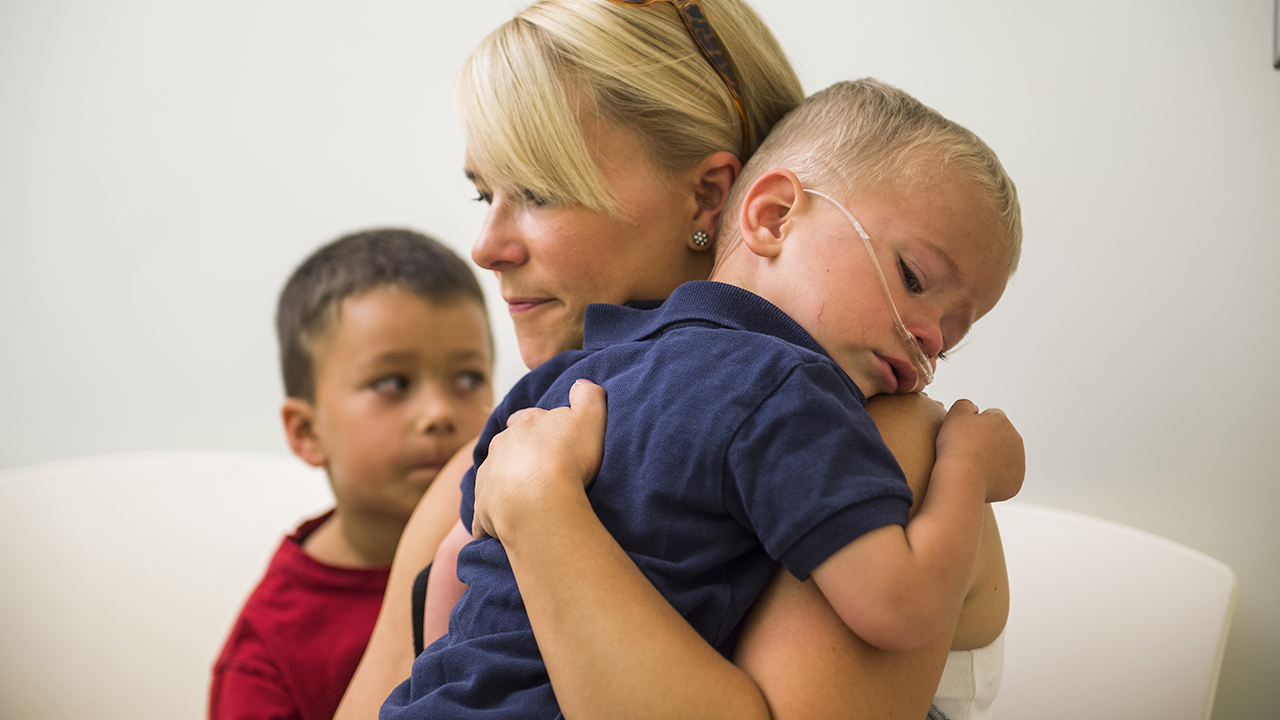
(808, 472)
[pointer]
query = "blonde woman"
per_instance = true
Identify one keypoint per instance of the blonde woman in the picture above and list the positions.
(605, 136)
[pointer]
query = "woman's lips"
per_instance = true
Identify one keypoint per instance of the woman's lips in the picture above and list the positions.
(520, 305)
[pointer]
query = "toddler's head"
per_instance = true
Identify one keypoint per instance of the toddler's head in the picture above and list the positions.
(387, 360)
(859, 172)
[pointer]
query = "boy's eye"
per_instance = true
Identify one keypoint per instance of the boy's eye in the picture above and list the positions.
(470, 381)
(942, 355)
(908, 277)
(390, 384)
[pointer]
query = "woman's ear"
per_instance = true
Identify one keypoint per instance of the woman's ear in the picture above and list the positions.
(713, 177)
(768, 209)
(300, 431)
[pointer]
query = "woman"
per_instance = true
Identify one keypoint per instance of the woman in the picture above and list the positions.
(605, 139)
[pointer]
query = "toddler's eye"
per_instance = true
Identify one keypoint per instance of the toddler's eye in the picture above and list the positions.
(908, 277)
(484, 197)
(942, 355)
(391, 384)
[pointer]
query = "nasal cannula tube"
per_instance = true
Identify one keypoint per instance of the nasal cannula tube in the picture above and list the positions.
(924, 368)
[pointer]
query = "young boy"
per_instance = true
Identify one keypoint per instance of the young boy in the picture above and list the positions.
(736, 436)
(387, 358)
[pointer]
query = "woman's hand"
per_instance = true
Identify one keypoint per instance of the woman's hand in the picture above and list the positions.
(541, 456)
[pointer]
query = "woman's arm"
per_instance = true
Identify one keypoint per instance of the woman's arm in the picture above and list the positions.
(388, 659)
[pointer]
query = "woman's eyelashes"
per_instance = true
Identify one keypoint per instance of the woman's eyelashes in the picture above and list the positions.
(533, 198)
(528, 197)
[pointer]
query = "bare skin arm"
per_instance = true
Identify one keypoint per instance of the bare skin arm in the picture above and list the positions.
(615, 648)
(909, 425)
(388, 659)
(444, 589)
(808, 663)
(900, 587)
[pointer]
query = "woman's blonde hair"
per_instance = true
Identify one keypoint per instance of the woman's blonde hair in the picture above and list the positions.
(864, 133)
(526, 89)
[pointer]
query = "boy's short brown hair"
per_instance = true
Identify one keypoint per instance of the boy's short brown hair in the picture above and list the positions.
(351, 265)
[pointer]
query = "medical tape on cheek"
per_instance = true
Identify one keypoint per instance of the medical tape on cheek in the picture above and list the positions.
(924, 369)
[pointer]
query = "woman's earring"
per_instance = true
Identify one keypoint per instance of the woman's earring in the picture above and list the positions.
(700, 239)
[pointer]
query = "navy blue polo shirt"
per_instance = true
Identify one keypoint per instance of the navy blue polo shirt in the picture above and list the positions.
(734, 442)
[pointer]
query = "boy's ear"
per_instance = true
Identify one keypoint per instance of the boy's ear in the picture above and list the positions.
(300, 431)
(713, 177)
(768, 209)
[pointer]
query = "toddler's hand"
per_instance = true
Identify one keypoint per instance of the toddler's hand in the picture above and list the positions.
(540, 454)
(985, 443)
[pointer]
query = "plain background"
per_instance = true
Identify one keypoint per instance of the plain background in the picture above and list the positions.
(163, 166)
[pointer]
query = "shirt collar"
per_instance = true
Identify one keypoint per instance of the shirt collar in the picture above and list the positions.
(702, 302)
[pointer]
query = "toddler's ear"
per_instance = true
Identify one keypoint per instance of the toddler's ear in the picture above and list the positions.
(299, 429)
(768, 209)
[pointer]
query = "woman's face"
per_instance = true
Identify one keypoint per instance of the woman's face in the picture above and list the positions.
(553, 260)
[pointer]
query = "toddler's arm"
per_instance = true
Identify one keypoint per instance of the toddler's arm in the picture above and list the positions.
(899, 588)
(443, 586)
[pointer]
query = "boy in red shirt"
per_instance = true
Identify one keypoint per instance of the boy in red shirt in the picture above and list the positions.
(387, 359)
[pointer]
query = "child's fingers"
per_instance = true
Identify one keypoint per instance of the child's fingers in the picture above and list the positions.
(963, 407)
(967, 407)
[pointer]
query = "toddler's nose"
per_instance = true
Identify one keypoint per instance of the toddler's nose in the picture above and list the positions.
(929, 336)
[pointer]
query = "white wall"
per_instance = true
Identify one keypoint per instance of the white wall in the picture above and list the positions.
(164, 165)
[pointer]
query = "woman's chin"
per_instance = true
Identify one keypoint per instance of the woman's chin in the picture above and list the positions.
(545, 333)
(537, 351)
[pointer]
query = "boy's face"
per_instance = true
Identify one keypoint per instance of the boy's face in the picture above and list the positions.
(942, 253)
(401, 384)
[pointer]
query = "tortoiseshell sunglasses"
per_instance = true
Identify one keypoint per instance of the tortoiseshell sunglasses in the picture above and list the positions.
(695, 21)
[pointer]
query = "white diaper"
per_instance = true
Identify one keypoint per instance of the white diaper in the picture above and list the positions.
(970, 682)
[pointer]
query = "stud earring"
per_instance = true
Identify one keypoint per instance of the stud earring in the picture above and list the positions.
(701, 238)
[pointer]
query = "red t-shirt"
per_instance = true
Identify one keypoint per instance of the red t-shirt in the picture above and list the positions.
(299, 637)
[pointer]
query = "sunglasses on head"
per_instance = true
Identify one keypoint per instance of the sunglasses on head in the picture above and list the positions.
(695, 21)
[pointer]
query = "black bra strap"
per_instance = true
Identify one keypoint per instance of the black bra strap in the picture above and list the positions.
(419, 607)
